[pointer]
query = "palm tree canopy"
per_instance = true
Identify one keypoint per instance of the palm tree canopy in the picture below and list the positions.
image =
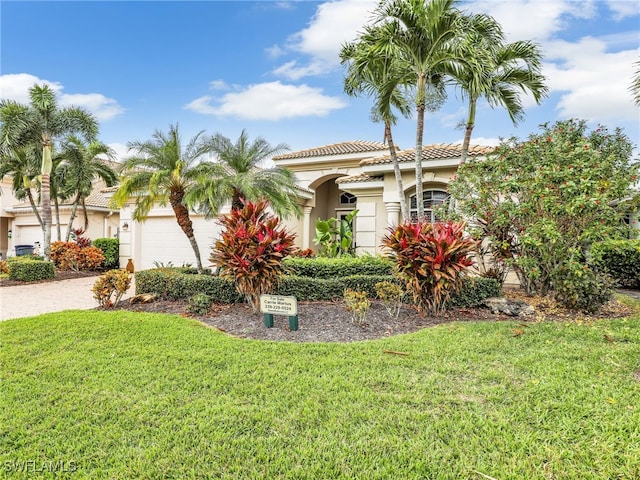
(500, 72)
(237, 175)
(43, 120)
(81, 164)
(160, 167)
(635, 84)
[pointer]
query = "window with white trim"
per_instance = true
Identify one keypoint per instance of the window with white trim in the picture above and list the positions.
(430, 200)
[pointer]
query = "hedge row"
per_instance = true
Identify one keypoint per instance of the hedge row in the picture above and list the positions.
(31, 270)
(618, 258)
(174, 285)
(322, 267)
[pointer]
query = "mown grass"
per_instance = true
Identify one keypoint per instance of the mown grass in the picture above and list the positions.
(123, 395)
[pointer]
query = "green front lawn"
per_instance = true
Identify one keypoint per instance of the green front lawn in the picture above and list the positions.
(121, 395)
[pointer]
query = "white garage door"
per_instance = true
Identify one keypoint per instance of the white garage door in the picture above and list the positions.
(25, 235)
(163, 241)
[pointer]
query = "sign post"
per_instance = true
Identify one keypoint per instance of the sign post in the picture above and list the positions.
(271, 305)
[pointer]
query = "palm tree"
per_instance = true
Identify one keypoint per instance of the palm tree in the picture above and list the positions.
(499, 73)
(635, 84)
(368, 73)
(425, 36)
(237, 176)
(81, 164)
(39, 124)
(22, 165)
(163, 171)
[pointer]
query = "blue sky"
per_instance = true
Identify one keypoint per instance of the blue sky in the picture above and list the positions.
(272, 67)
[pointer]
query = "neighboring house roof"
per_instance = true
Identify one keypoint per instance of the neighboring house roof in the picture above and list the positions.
(362, 177)
(357, 146)
(95, 201)
(431, 152)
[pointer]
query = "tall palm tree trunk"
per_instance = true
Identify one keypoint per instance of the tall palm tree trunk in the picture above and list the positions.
(471, 119)
(72, 217)
(45, 192)
(182, 216)
(419, 135)
(34, 207)
(56, 204)
(396, 170)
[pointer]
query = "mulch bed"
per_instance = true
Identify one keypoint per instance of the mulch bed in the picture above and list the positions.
(330, 322)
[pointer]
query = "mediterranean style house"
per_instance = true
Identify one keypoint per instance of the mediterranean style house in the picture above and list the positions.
(344, 176)
(332, 181)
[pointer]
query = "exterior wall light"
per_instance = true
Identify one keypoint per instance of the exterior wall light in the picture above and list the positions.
(125, 226)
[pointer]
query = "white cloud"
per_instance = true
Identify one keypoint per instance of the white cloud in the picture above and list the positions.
(16, 87)
(333, 24)
(121, 151)
(623, 8)
(269, 101)
(218, 85)
(532, 19)
(597, 94)
(484, 141)
(102, 107)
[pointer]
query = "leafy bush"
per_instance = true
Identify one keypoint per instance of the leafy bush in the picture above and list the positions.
(322, 267)
(391, 295)
(578, 287)
(199, 304)
(544, 201)
(431, 259)
(79, 239)
(618, 258)
(172, 284)
(70, 256)
(111, 250)
(335, 236)
(357, 304)
(113, 283)
(4, 267)
(317, 289)
(251, 249)
(473, 290)
(31, 270)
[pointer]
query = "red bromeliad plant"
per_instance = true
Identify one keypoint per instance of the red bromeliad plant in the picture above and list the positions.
(250, 250)
(431, 259)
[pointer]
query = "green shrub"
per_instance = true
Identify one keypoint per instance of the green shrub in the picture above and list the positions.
(111, 250)
(579, 287)
(24, 258)
(474, 290)
(172, 284)
(114, 283)
(199, 304)
(31, 270)
(322, 267)
(618, 258)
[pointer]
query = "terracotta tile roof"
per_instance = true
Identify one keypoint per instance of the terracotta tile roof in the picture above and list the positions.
(434, 151)
(96, 199)
(362, 177)
(343, 148)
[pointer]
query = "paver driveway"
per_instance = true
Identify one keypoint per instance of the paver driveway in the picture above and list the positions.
(35, 299)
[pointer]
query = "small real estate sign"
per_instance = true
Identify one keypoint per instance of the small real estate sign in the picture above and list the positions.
(271, 305)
